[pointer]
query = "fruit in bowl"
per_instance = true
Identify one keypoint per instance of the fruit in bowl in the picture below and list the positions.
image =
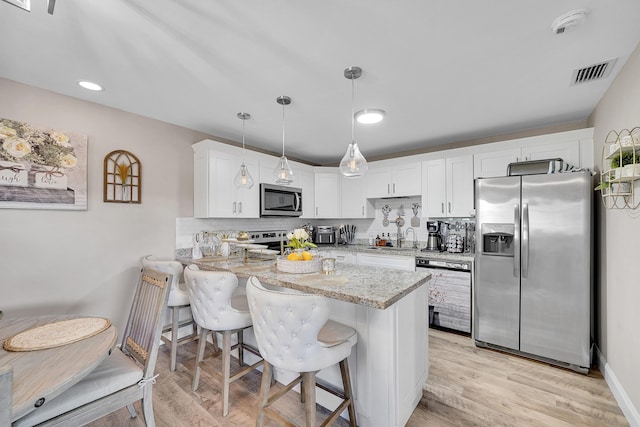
(304, 256)
(294, 256)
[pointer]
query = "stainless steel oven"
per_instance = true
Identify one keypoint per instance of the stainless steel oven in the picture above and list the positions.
(278, 200)
(449, 292)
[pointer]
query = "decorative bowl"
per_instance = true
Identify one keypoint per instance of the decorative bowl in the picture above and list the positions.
(298, 267)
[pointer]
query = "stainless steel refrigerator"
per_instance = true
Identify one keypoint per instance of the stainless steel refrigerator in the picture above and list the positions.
(533, 281)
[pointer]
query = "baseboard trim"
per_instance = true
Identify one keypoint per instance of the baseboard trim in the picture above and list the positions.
(629, 411)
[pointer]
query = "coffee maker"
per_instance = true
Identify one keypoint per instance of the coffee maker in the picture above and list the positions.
(434, 241)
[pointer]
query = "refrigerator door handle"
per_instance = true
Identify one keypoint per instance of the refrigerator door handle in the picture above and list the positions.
(525, 240)
(516, 240)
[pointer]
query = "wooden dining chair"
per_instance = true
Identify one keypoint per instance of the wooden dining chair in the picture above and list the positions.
(177, 303)
(6, 383)
(126, 375)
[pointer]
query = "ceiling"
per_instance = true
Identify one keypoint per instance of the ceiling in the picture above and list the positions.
(443, 70)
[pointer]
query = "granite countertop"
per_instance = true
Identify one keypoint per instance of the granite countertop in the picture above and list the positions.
(370, 286)
(393, 251)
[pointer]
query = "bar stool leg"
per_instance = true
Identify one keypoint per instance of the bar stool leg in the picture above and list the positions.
(240, 348)
(175, 314)
(346, 384)
(226, 371)
(309, 381)
(201, 344)
(263, 397)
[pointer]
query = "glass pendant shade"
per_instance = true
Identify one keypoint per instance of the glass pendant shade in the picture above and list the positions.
(283, 174)
(353, 164)
(243, 178)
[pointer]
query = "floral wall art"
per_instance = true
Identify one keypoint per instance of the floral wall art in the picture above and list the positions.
(42, 168)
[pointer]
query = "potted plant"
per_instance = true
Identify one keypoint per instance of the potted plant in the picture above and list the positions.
(622, 160)
(604, 186)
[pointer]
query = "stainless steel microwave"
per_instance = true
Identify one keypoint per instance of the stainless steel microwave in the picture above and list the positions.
(278, 200)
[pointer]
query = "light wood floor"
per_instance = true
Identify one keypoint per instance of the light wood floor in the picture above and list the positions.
(467, 386)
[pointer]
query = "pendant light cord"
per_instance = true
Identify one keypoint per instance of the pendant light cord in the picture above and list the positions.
(243, 120)
(353, 124)
(283, 130)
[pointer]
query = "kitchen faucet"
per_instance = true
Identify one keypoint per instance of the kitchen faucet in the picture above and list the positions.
(415, 236)
(399, 222)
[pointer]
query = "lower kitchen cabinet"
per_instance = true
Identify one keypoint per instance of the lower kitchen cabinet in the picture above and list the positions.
(398, 262)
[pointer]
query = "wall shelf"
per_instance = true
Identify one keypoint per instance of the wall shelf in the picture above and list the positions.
(620, 171)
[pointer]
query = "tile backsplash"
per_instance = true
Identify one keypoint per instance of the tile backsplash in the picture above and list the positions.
(366, 229)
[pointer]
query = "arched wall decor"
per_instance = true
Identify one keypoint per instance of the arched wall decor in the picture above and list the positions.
(122, 178)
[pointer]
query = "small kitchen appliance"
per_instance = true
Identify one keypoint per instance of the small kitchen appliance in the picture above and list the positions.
(434, 238)
(324, 235)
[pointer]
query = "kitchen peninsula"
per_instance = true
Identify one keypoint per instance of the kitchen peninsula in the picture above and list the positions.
(387, 307)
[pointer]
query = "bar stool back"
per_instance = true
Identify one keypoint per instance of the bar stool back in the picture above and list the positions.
(218, 306)
(178, 300)
(294, 333)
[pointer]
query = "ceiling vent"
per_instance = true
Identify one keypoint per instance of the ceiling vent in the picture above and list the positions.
(569, 21)
(593, 72)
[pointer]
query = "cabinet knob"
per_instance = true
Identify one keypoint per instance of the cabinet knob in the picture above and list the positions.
(394, 188)
(442, 207)
(234, 207)
(449, 207)
(240, 207)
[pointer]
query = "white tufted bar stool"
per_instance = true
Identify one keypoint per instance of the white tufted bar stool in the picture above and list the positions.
(294, 333)
(178, 300)
(218, 306)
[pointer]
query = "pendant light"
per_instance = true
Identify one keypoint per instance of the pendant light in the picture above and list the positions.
(353, 164)
(283, 174)
(243, 178)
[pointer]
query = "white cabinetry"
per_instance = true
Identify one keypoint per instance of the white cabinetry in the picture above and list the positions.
(305, 180)
(447, 187)
(397, 180)
(327, 193)
(574, 147)
(354, 203)
(494, 163)
(397, 262)
(340, 256)
(215, 196)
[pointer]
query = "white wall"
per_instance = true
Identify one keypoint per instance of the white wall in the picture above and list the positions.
(619, 246)
(86, 262)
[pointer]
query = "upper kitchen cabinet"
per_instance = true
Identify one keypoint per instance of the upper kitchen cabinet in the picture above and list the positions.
(574, 147)
(447, 187)
(305, 180)
(354, 202)
(327, 192)
(393, 180)
(214, 193)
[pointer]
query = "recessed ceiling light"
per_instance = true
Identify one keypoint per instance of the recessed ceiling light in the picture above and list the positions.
(370, 116)
(90, 85)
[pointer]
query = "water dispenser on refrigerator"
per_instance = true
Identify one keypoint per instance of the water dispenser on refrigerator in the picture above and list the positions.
(497, 239)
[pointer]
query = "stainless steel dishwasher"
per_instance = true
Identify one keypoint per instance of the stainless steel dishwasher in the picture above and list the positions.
(449, 292)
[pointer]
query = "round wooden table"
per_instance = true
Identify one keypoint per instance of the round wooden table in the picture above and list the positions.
(44, 374)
